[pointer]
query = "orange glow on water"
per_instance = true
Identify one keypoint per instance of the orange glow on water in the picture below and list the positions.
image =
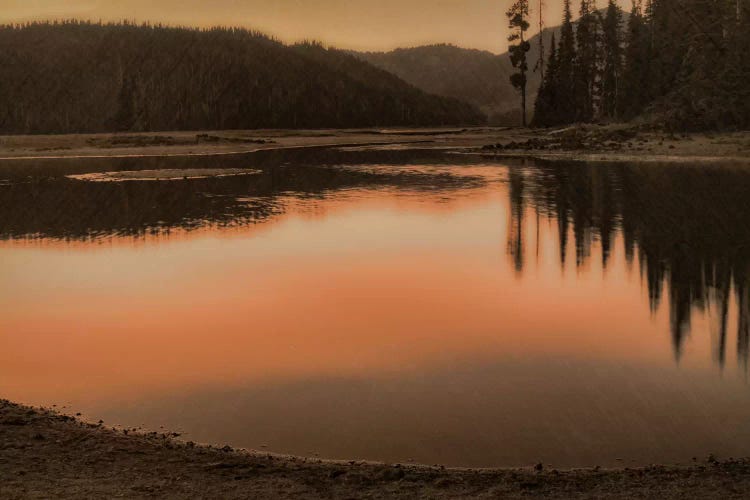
(392, 289)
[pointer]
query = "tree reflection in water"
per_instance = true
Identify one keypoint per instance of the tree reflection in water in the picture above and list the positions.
(688, 227)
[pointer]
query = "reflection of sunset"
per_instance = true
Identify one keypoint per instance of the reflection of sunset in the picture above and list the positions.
(366, 289)
(474, 315)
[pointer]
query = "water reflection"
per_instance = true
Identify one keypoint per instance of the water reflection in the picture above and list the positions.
(54, 199)
(688, 228)
(375, 314)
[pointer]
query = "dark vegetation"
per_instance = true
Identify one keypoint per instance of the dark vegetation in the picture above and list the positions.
(84, 77)
(685, 64)
(518, 49)
(478, 77)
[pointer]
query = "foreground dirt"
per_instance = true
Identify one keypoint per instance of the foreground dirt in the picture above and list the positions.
(47, 455)
(585, 142)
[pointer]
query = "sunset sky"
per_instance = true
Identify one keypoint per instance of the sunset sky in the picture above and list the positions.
(355, 24)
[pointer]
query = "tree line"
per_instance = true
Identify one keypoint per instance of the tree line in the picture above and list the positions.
(684, 64)
(73, 76)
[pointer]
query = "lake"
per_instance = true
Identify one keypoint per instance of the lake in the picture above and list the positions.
(385, 304)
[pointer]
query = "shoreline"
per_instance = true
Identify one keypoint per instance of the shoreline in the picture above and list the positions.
(617, 158)
(609, 143)
(46, 454)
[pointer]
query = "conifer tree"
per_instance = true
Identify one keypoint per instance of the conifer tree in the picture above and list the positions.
(540, 61)
(125, 117)
(566, 53)
(710, 91)
(612, 70)
(585, 66)
(545, 108)
(635, 73)
(518, 22)
(683, 63)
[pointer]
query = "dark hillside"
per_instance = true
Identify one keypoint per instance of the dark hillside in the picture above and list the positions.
(83, 77)
(475, 76)
(478, 77)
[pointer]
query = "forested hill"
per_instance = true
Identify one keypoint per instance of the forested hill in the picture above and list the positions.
(476, 76)
(84, 77)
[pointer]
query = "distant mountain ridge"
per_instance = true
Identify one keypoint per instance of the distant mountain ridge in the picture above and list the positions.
(474, 76)
(84, 77)
(477, 77)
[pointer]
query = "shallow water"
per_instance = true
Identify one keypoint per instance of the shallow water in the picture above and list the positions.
(387, 305)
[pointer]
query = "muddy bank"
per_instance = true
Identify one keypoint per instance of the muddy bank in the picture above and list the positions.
(44, 455)
(585, 142)
(624, 143)
(223, 142)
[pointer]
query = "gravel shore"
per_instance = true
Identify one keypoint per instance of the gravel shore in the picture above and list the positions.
(44, 454)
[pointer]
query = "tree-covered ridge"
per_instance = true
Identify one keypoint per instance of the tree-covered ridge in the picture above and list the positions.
(476, 76)
(685, 63)
(85, 77)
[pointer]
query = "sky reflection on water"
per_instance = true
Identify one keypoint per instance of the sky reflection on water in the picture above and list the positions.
(391, 306)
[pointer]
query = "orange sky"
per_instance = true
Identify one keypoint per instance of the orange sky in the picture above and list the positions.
(355, 24)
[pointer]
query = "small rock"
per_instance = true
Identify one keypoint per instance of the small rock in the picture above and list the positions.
(336, 473)
(14, 421)
(392, 474)
(443, 483)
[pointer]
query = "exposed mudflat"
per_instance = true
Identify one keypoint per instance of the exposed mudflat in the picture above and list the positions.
(163, 175)
(624, 143)
(586, 143)
(47, 455)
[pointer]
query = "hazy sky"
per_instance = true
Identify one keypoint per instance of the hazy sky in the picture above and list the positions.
(356, 24)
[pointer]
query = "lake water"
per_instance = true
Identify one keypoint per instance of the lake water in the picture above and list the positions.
(385, 305)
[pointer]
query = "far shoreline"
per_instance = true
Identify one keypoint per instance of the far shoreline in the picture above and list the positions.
(586, 143)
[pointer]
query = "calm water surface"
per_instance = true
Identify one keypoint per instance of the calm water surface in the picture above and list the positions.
(386, 305)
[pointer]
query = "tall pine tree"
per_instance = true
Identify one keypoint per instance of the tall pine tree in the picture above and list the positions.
(518, 23)
(585, 66)
(545, 108)
(612, 70)
(566, 54)
(637, 62)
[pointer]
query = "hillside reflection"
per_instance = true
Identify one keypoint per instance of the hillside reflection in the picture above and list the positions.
(687, 227)
(38, 200)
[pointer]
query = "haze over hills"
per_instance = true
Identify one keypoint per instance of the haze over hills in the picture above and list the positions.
(478, 77)
(86, 77)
